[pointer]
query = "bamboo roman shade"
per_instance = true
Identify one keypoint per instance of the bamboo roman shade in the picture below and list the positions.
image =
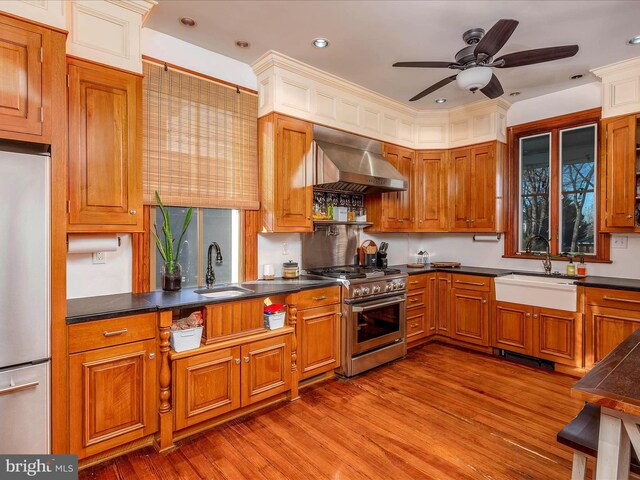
(200, 141)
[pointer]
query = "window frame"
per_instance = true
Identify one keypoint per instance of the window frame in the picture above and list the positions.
(553, 126)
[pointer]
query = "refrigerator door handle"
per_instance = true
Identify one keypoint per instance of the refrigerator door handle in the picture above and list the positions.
(18, 388)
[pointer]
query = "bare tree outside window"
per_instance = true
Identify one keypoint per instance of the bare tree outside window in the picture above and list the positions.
(535, 158)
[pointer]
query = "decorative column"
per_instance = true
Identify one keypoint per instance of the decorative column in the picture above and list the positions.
(293, 320)
(164, 439)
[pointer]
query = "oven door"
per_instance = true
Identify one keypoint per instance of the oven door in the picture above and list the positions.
(377, 322)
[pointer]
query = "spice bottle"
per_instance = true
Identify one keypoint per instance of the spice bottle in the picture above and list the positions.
(582, 268)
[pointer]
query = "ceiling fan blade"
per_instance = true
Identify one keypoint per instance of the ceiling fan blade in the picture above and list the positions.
(423, 64)
(493, 89)
(538, 55)
(434, 87)
(496, 37)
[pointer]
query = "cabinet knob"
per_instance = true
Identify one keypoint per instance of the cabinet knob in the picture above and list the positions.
(152, 356)
(237, 361)
(132, 212)
(246, 359)
(629, 216)
(308, 218)
(528, 314)
(535, 315)
(467, 220)
(471, 221)
(484, 301)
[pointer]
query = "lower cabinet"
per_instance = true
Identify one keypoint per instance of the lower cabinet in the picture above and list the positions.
(606, 329)
(546, 333)
(422, 298)
(113, 396)
(470, 316)
(211, 384)
(319, 347)
(442, 294)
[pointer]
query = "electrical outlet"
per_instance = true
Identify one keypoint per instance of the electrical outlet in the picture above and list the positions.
(285, 248)
(99, 257)
(619, 241)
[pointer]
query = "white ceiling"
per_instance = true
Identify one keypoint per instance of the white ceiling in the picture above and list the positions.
(367, 37)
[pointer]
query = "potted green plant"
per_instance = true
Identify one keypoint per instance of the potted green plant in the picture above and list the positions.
(171, 271)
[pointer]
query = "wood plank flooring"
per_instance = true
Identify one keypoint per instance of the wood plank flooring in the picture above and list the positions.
(441, 413)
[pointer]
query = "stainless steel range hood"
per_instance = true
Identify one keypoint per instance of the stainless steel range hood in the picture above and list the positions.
(348, 163)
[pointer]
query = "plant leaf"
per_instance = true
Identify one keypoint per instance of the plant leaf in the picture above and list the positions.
(159, 245)
(185, 226)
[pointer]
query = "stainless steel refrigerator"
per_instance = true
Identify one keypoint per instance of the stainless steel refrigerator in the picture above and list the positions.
(24, 303)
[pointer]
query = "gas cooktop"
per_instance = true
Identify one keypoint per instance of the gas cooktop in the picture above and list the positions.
(349, 272)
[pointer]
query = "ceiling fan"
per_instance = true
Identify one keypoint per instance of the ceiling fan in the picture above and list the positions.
(476, 60)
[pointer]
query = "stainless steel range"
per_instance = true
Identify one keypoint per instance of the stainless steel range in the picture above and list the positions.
(374, 316)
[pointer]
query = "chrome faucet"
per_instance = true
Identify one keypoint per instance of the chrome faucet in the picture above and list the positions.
(546, 263)
(211, 276)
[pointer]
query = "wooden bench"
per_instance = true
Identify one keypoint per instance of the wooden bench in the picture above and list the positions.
(581, 434)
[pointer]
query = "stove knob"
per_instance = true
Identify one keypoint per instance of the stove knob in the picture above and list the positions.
(388, 287)
(365, 290)
(376, 289)
(357, 292)
(401, 285)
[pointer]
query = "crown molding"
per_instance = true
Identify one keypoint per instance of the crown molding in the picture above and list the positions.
(632, 66)
(142, 7)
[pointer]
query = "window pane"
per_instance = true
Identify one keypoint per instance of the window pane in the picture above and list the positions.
(535, 155)
(218, 226)
(189, 251)
(577, 156)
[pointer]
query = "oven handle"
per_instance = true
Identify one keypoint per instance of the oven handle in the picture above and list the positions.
(371, 306)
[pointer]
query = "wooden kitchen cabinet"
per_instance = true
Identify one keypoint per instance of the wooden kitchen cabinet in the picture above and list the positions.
(397, 207)
(319, 340)
(443, 295)
(612, 315)
(557, 336)
(470, 316)
(113, 396)
(619, 174)
(512, 327)
(266, 369)
(422, 297)
(430, 191)
(286, 170)
(105, 149)
(476, 192)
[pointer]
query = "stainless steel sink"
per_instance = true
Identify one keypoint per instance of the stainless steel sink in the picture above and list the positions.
(223, 292)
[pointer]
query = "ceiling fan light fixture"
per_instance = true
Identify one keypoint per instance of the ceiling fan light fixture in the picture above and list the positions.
(441, 100)
(474, 78)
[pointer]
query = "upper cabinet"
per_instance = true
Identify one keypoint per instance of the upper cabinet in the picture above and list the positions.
(284, 146)
(475, 180)
(620, 174)
(397, 207)
(29, 55)
(105, 122)
(430, 191)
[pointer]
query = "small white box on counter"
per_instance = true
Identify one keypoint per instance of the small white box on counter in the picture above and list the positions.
(183, 340)
(274, 321)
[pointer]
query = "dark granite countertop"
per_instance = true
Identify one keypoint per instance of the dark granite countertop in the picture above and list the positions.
(482, 271)
(611, 282)
(109, 306)
(614, 381)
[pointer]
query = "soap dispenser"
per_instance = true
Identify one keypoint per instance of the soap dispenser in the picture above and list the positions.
(571, 268)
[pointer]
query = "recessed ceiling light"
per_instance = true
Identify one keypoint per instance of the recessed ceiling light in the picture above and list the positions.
(187, 21)
(576, 77)
(320, 43)
(514, 94)
(634, 40)
(441, 100)
(242, 44)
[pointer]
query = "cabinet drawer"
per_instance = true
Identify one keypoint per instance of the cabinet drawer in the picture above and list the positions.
(416, 281)
(471, 282)
(416, 298)
(415, 323)
(613, 298)
(114, 331)
(318, 297)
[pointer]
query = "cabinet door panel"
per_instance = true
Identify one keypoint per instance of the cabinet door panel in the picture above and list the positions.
(104, 151)
(293, 190)
(558, 336)
(460, 185)
(443, 296)
(319, 340)
(470, 315)
(21, 80)
(430, 191)
(512, 327)
(431, 304)
(206, 386)
(619, 177)
(483, 188)
(113, 397)
(266, 369)
(397, 207)
(416, 324)
(606, 329)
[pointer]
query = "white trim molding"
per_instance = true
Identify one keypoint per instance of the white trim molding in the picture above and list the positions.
(620, 87)
(291, 87)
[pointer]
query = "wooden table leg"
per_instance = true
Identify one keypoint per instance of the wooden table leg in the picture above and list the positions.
(614, 448)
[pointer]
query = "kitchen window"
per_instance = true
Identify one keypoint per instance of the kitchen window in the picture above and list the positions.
(207, 225)
(553, 188)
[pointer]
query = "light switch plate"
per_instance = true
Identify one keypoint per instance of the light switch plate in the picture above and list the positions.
(619, 241)
(99, 257)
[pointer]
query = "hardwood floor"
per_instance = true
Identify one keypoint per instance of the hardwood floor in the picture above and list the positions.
(441, 413)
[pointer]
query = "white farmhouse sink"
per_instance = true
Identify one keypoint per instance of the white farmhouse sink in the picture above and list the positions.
(549, 292)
